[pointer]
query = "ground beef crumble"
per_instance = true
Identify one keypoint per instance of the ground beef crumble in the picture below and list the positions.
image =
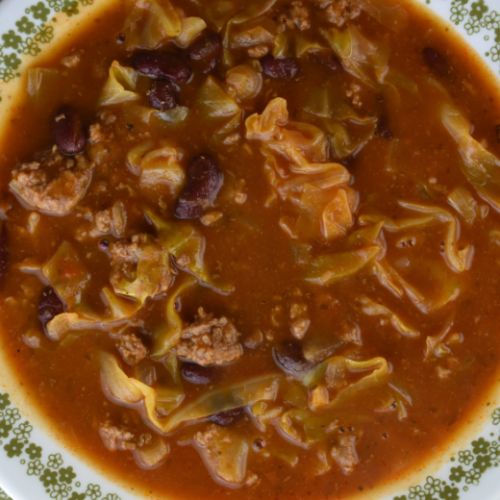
(54, 185)
(210, 341)
(131, 348)
(296, 16)
(117, 438)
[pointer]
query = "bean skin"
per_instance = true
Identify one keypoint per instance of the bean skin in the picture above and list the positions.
(284, 68)
(290, 358)
(196, 374)
(204, 181)
(162, 65)
(69, 135)
(206, 51)
(436, 61)
(49, 306)
(227, 418)
(162, 95)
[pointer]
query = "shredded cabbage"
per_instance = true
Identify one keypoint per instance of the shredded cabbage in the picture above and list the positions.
(242, 394)
(296, 162)
(191, 28)
(150, 276)
(303, 428)
(152, 455)
(225, 454)
(66, 274)
(120, 312)
(120, 86)
(158, 167)
(464, 203)
(459, 259)
(187, 246)
(362, 58)
(480, 166)
(372, 308)
(169, 334)
(151, 23)
(218, 109)
(347, 378)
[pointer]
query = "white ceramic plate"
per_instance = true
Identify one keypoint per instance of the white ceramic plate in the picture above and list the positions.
(35, 465)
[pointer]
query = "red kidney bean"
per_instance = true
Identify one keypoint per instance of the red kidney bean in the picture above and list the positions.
(227, 418)
(69, 135)
(284, 68)
(196, 374)
(162, 65)
(4, 251)
(204, 181)
(436, 61)
(162, 95)
(290, 358)
(206, 51)
(49, 306)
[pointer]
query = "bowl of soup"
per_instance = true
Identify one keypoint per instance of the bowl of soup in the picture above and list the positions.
(249, 249)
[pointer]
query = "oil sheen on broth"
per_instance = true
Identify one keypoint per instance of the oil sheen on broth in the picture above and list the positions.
(251, 249)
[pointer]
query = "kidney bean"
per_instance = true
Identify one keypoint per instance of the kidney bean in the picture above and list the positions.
(284, 68)
(196, 374)
(162, 65)
(290, 358)
(435, 61)
(227, 418)
(4, 251)
(49, 306)
(204, 181)
(206, 51)
(69, 135)
(162, 95)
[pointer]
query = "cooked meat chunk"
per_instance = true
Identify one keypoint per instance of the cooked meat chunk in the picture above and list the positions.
(210, 341)
(344, 453)
(340, 12)
(54, 185)
(116, 439)
(131, 348)
(112, 221)
(296, 17)
(120, 439)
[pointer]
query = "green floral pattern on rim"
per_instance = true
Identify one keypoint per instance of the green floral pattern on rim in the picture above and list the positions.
(467, 469)
(33, 31)
(59, 480)
(475, 17)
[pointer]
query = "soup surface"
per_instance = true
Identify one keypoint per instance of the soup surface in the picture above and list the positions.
(251, 249)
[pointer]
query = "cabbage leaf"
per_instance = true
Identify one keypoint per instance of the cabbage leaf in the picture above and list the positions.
(169, 334)
(67, 274)
(347, 378)
(150, 23)
(480, 166)
(120, 86)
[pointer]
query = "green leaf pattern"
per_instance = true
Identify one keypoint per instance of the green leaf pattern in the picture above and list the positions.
(33, 30)
(59, 480)
(465, 471)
